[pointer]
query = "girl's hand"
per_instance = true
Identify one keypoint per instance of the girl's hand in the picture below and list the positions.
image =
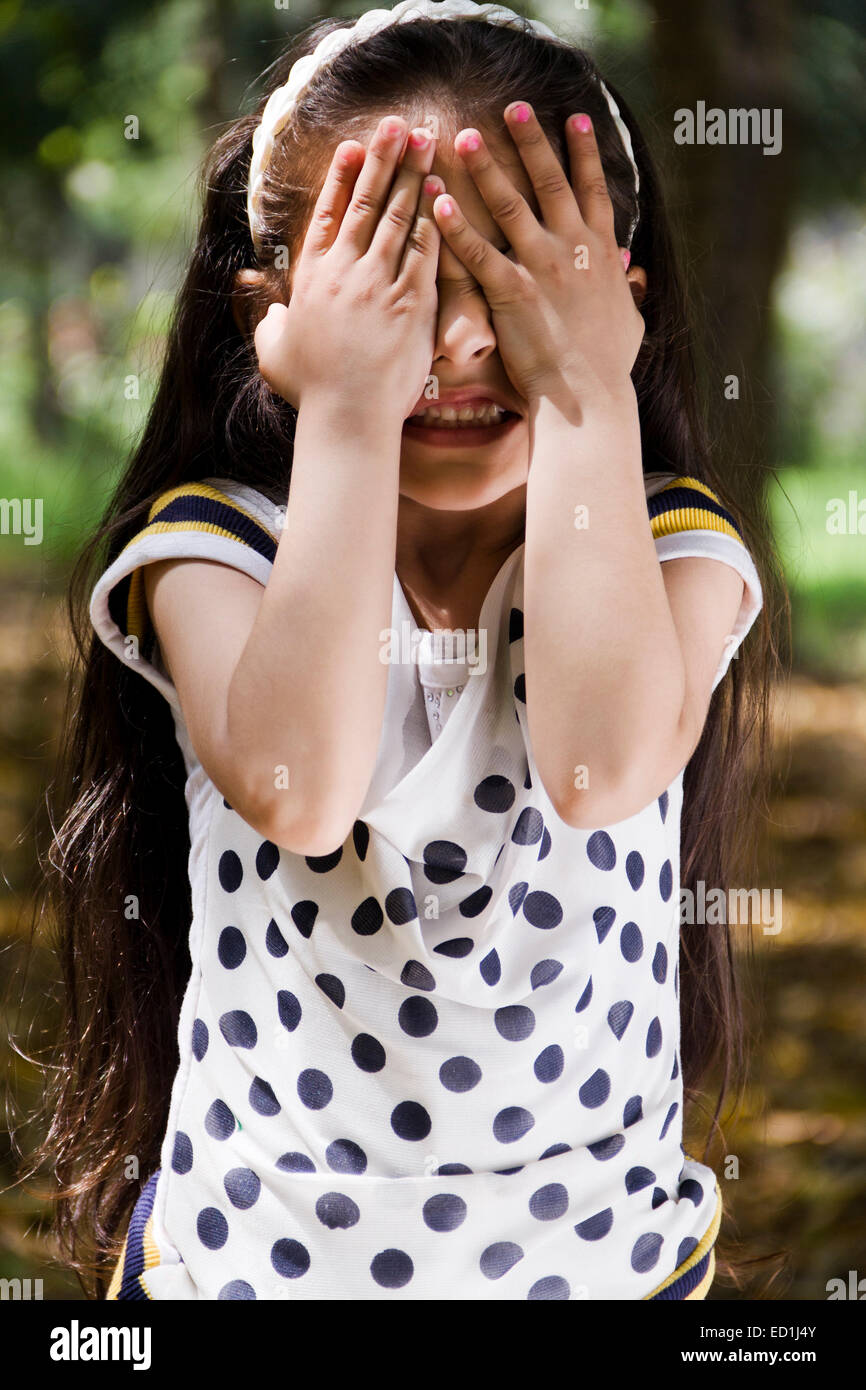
(360, 323)
(566, 325)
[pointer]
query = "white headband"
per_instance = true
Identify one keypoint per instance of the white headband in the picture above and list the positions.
(282, 102)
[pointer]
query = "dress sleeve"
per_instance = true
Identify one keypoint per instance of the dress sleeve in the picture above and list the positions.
(689, 519)
(212, 520)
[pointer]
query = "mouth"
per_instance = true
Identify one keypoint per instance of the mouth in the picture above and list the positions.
(460, 424)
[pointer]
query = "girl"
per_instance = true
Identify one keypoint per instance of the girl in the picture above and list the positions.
(412, 622)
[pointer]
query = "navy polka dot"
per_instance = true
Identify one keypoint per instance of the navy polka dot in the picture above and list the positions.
(516, 894)
(546, 842)
(512, 1123)
(515, 625)
(444, 861)
(668, 1118)
(392, 1269)
(634, 869)
(549, 1064)
(459, 1074)
(659, 1197)
(619, 1016)
(636, 1179)
(606, 1148)
(600, 850)
(476, 902)
(520, 688)
(231, 948)
(417, 1016)
(219, 1122)
(494, 794)
(237, 1289)
(545, 972)
(691, 1190)
(530, 824)
(595, 1090)
(604, 918)
(290, 1258)
(368, 1053)
(663, 805)
(685, 1248)
(360, 839)
(181, 1158)
(238, 1029)
(554, 1150)
(289, 1009)
(296, 1163)
(633, 1111)
(367, 918)
(596, 1227)
(345, 1156)
(324, 863)
(552, 1286)
(444, 1212)
(654, 1039)
(262, 1098)
(666, 880)
(660, 964)
(200, 1039)
(337, 1211)
(550, 1202)
(499, 1258)
(242, 1187)
(400, 906)
(230, 871)
(275, 941)
(457, 948)
(542, 910)
(267, 859)
(631, 942)
(646, 1251)
(490, 968)
(333, 988)
(584, 998)
(409, 1120)
(315, 1089)
(514, 1022)
(212, 1228)
(304, 916)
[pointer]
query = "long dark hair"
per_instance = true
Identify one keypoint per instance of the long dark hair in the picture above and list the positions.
(119, 820)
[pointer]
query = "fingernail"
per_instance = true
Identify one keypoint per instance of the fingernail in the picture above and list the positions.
(626, 258)
(470, 140)
(582, 123)
(446, 206)
(521, 112)
(392, 128)
(419, 139)
(431, 186)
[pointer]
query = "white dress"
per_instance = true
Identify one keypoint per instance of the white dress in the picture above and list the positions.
(443, 1061)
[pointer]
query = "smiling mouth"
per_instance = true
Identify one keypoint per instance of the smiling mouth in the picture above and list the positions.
(464, 417)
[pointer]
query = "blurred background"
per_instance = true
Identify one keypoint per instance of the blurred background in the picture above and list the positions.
(95, 224)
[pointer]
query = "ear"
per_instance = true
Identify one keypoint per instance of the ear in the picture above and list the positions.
(245, 281)
(636, 276)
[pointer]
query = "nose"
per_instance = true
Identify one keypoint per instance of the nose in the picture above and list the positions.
(464, 332)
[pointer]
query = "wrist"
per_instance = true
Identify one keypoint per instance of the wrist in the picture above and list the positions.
(577, 406)
(334, 410)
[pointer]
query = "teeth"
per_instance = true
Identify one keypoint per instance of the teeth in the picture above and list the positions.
(458, 417)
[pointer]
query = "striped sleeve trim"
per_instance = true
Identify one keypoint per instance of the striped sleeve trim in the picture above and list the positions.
(692, 1279)
(190, 508)
(687, 504)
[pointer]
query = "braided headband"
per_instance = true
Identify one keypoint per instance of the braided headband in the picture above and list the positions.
(282, 102)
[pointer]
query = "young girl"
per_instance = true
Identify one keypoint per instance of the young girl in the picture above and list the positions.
(415, 602)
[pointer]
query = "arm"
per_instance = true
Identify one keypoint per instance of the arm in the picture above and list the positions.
(621, 651)
(288, 675)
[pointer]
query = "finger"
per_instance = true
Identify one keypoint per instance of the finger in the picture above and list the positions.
(398, 218)
(421, 258)
(549, 180)
(371, 189)
(587, 175)
(333, 200)
(493, 271)
(509, 210)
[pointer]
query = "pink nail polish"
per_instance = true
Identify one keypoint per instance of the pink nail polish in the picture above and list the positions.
(447, 207)
(431, 186)
(582, 123)
(469, 141)
(626, 259)
(418, 139)
(521, 112)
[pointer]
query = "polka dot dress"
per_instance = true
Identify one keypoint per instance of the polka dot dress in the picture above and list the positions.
(441, 1062)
